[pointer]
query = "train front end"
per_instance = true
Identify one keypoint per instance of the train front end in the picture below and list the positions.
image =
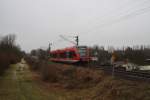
(83, 52)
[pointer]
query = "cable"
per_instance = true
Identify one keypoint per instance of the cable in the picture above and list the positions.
(123, 17)
(67, 39)
(120, 15)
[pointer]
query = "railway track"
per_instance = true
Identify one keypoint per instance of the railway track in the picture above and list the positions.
(132, 75)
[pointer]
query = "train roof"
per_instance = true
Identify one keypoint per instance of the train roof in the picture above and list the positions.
(68, 48)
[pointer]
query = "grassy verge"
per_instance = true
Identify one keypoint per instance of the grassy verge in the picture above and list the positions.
(18, 85)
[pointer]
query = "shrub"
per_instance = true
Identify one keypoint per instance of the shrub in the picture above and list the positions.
(9, 52)
(49, 73)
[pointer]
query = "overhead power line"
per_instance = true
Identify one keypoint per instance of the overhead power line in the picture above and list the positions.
(127, 7)
(67, 39)
(122, 17)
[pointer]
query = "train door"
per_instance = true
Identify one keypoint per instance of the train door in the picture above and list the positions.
(67, 54)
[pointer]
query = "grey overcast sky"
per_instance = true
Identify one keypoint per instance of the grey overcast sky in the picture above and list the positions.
(97, 22)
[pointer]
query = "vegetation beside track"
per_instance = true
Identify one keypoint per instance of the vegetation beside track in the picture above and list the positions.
(10, 53)
(18, 84)
(88, 84)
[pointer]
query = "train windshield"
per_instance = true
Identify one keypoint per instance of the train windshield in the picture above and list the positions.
(82, 51)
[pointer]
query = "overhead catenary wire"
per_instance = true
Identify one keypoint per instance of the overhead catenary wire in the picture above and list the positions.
(125, 7)
(122, 16)
(67, 39)
(131, 9)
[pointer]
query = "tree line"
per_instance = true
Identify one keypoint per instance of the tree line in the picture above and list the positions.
(135, 54)
(10, 53)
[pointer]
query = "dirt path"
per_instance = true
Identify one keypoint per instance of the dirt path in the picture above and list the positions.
(17, 84)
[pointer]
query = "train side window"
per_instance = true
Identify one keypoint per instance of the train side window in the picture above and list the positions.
(53, 55)
(62, 55)
(58, 55)
(72, 54)
(67, 54)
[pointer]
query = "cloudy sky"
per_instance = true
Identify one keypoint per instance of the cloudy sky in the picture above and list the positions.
(97, 22)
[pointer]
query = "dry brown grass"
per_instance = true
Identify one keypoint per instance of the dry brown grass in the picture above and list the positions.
(69, 76)
(86, 75)
(91, 84)
(119, 89)
(75, 77)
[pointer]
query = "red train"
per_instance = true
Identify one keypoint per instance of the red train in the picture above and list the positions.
(71, 55)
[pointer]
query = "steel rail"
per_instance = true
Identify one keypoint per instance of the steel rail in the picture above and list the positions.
(142, 75)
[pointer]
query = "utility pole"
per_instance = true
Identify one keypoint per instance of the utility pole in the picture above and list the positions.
(77, 40)
(113, 59)
(49, 49)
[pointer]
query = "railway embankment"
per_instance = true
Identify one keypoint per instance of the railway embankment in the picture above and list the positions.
(78, 83)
